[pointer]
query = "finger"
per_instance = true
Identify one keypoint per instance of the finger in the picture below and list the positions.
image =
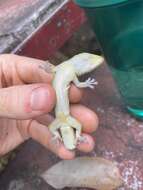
(29, 70)
(41, 134)
(45, 119)
(87, 145)
(26, 101)
(20, 69)
(89, 126)
(75, 94)
(86, 117)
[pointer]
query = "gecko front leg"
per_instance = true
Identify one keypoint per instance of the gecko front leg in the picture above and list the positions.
(88, 83)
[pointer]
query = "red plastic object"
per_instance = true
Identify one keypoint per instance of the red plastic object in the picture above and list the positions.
(55, 33)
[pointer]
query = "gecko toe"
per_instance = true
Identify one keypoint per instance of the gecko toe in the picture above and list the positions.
(81, 139)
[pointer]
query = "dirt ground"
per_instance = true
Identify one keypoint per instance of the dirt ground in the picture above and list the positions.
(119, 137)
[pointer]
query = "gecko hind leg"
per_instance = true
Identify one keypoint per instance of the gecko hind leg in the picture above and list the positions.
(54, 127)
(77, 126)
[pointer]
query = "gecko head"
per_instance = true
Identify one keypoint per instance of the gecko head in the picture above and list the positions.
(86, 62)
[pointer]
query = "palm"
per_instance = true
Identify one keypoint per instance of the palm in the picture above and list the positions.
(12, 131)
(10, 135)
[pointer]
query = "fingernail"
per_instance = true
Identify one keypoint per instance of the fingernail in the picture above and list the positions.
(40, 98)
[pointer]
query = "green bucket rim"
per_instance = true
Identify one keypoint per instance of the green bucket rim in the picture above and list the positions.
(98, 3)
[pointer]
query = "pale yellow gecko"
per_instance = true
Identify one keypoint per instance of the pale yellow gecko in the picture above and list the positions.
(65, 127)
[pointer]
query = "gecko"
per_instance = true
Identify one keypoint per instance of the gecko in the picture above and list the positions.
(65, 127)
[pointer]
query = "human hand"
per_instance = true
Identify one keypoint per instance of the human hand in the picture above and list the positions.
(26, 98)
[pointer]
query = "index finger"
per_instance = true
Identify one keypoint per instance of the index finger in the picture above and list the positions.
(31, 70)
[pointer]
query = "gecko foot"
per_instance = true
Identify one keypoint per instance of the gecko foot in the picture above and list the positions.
(56, 136)
(81, 139)
(53, 127)
(90, 82)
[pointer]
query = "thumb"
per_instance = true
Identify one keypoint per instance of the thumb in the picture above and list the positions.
(26, 101)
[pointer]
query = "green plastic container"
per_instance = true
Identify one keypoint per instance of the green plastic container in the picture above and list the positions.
(118, 25)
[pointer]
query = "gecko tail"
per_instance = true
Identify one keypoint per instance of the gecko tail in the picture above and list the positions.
(68, 136)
